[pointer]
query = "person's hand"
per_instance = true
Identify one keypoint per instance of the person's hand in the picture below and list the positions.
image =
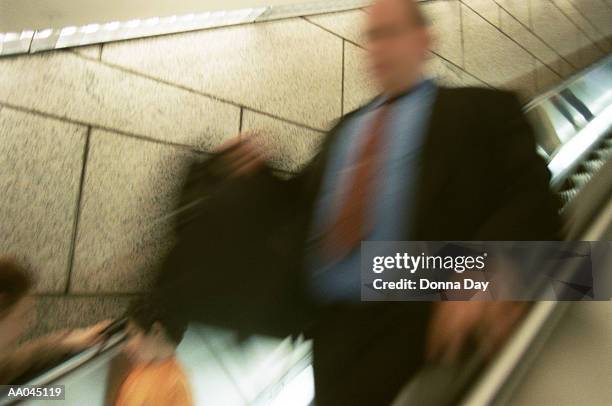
(450, 326)
(80, 339)
(501, 318)
(242, 155)
(453, 322)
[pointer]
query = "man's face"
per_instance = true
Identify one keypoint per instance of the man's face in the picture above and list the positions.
(143, 347)
(397, 46)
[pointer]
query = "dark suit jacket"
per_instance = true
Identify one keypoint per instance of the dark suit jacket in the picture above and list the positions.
(239, 253)
(481, 179)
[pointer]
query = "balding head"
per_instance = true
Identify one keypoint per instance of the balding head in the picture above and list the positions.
(398, 40)
(415, 13)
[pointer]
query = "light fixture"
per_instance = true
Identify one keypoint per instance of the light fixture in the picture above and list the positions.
(26, 35)
(15, 43)
(152, 21)
(311, 7)
(135, 28)
(65, 32)
(132, 23)
(112, 26)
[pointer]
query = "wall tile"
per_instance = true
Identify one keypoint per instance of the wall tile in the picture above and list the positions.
(595, 44)
(518, 8)
(594, 34)
(65, 312)
(445, 21)
(290, 146)
(587, 52)
(90, 51)
(40, 163)
(288, 68)
(358, 86)
(347, 24)
(66, 85)
(590, 54)
(488, 9)
(527, 39)
(448, 74)
(564, 69)
(526, 84)
(558, 31)
(598, 13)
(494, 58)
(545, 78)
(130, 185)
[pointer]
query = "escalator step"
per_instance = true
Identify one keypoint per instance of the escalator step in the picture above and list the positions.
(602, 154)
(578, 180)
(593, 165)
(568, 195)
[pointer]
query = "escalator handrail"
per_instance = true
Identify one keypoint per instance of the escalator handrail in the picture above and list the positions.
(572, 153)
(107, 348)
(523, 344)
(513, 359)
(556, 90)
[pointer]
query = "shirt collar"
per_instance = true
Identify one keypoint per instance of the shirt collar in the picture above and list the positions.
(412, 90)
(418, 86)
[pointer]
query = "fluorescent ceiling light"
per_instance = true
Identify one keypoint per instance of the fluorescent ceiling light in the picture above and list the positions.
(15, 43)
(135, 28)
(312, 7)
(68, 31)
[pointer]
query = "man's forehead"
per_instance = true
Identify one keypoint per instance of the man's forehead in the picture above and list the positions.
(390, 10)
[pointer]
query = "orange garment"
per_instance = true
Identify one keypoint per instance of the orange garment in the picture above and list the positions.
(158, 384)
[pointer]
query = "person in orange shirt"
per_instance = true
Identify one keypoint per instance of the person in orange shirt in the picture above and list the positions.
(155, 376)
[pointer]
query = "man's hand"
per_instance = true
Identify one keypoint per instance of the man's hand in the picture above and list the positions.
(453, 322)
(80, 339)
(242, 155)
(501, 320)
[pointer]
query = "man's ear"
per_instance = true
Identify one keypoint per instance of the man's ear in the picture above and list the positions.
(428, 38)
(4, 300)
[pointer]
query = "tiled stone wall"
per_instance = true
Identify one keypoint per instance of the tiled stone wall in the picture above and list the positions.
(93, 140)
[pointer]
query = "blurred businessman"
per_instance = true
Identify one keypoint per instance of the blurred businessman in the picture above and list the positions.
(419, 162)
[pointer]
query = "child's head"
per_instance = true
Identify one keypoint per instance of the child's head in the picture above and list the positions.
(153, 332)
(16, 307)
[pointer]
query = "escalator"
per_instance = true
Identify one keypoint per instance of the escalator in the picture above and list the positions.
(560, 340)
(574, 129)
